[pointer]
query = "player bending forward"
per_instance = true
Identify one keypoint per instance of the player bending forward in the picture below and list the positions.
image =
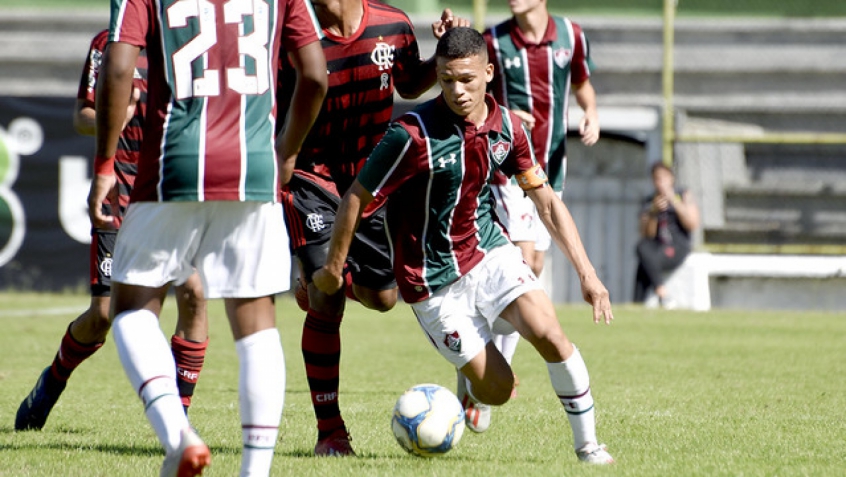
(453, 261)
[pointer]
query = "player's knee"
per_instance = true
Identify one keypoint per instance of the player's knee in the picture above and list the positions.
(381, 300)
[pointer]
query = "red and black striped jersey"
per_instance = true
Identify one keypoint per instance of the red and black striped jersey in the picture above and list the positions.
(364, 69)
(129, 143)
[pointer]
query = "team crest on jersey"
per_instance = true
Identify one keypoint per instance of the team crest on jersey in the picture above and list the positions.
(561, 56)
(453, 341)
(383, 55)
(499, 150)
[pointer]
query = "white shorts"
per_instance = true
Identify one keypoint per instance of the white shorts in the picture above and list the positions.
(460, 319)
(519, 216)
(240, 249)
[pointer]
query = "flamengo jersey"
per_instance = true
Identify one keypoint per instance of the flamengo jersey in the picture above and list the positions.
(129, 142)
(363, 70)
(536, 78)
(211, 109)
(435, 168)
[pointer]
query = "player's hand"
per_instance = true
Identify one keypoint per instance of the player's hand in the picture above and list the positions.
(589, 130)
(595, 293)
(133, 105)
(527, 118)
(102, 187)
(446, 22)
(326, 281)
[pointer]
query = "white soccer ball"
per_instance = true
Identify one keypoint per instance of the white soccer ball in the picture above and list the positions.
(428, 420)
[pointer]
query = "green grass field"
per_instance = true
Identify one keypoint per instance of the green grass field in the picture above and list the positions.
(677, 393)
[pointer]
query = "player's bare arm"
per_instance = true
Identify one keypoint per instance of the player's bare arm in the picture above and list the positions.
(424, 78)
(310, 89)
(526, 117)
(589, 125)
(556, 217)
(113, 98)
(328, 279)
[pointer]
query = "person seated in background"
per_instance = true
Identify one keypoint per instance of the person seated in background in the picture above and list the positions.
(667, 218)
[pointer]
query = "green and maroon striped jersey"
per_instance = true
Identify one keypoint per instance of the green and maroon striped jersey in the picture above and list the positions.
(536, 78)
(434, 167)
(211, 111)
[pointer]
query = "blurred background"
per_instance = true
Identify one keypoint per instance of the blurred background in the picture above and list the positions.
(745, 98)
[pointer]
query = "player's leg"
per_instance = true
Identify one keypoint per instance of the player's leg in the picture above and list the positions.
(310, 203)
(83, 337)
(140, 283)
(191, 338)
(533, 315)
(252, 267)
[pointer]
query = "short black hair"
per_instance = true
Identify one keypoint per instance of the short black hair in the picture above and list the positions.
(461, 42)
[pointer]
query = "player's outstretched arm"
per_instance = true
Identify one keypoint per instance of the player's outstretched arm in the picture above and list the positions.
(557, 219)
(328, 278)
(307, 98)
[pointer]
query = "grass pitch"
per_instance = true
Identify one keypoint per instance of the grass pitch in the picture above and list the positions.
(677, 393)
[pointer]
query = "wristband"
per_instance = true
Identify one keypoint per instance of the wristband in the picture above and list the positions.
(104, 165)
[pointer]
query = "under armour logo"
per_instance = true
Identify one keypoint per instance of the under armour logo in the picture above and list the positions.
(512, 62)
(383, 55)
(315, 223)
(443, 162)
(385, 81)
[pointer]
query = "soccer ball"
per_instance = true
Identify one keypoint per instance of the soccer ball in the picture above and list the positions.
(428, 420)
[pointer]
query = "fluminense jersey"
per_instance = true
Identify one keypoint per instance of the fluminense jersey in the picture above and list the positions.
(435, 167)
(210, 126)
(363, 71)
(536, 78)
(129, 142)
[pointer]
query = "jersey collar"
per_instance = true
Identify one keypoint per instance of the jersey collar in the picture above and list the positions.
(520, 40)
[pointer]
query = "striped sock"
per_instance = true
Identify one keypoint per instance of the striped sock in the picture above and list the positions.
(571, 382)
(148, 363)
(189, 357)
(71, 353)
(261, 387)
(321, 348)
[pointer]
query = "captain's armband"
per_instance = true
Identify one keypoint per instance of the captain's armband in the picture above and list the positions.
(532, 178)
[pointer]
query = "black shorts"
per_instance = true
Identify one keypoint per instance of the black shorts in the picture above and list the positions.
(311, 202)
(100, 261)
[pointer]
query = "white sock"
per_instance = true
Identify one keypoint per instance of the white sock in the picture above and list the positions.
(261, 390)
(148, 362)
(572, 384)
(507, 345)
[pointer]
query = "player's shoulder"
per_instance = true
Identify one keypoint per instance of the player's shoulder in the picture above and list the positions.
(501, 28)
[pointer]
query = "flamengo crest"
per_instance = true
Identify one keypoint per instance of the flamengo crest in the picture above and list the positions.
(383, 55)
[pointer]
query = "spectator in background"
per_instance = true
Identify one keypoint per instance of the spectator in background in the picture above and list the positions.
(667, 218)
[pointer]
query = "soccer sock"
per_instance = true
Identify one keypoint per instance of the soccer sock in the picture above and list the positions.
(71, 353)
(261, 388)
(189, 357)
(507, 345)
(148, 363)
(321, 347)
(572, 384)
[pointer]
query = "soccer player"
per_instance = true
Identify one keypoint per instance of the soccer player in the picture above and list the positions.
(371, 51)
(453, 260)
(87, 333)
(206, 196)
(537, 58)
